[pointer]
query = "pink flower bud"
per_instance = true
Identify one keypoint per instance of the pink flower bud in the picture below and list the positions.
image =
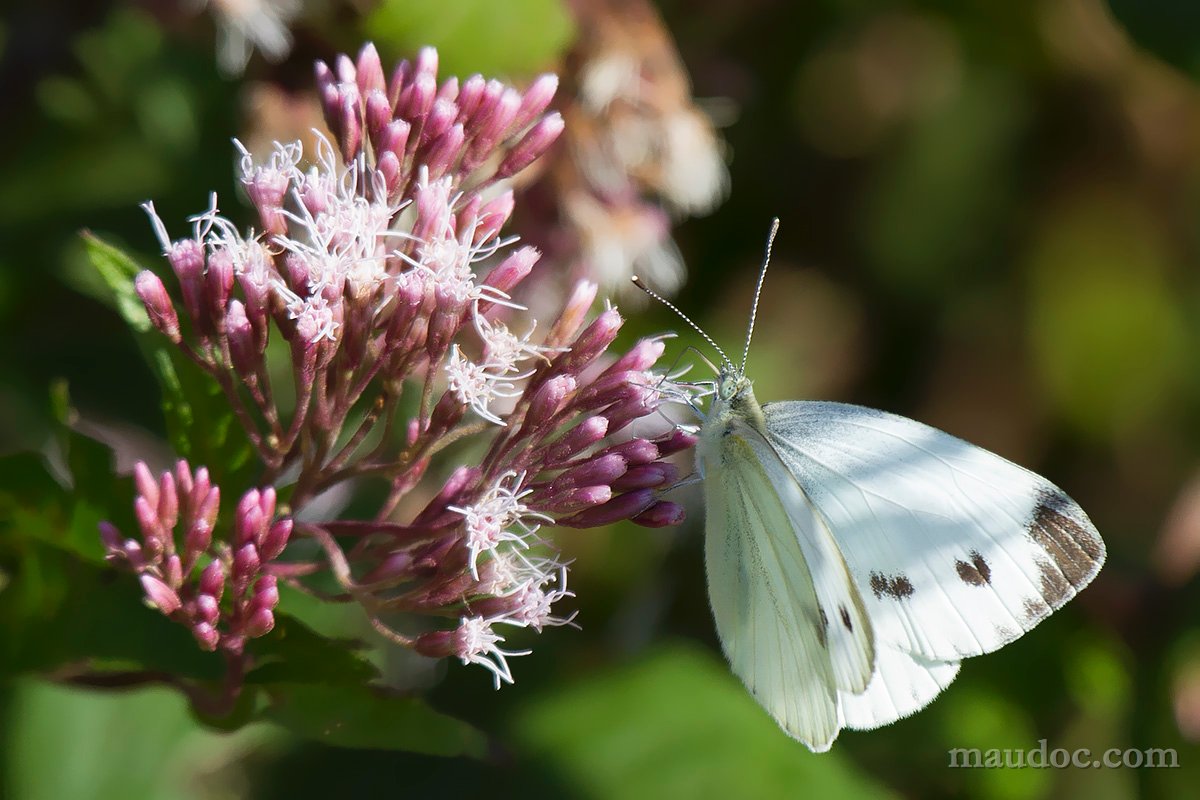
(635, 451)
(576, 440)
(111, 537)
(436, 644)
(594, 340)
(260, 623)
(186, 258)
(416, 99)
(344, 67)
(173, 571)
(249, 523)
(532, 146)
(246, 564)
(441, 118)
(548, 400)
(145, 483)
(394, 138)
(535, 99)
(266, 593)
(676, 441)
(623, 506)
(513, 269)
(640, 357)
(212, 579)
(448, 90)
(647, 476)
(660, 515)
(243, 350)
(470, 95)
(572, 500)
(377, 115)
(152, 531)
(491, 131)
(207, 609)
(602, 470)
(370, 70)
(276, 538)
(160, 595)
(350, 123)
(218, 283)
(159, 308)
(573, 314)
(443, 151)
(206, 635)
(168, 501)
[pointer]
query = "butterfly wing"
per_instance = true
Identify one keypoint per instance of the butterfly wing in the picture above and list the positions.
(955, 550)
(790, 619)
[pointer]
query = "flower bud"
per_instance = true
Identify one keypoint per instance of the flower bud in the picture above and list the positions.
(246, 564)
(159, 308)
(532, 146)
(621, 507)
(369, 70)
(535, 99)
(575, 441)
(212, 579)
(601, 470)
(547, 401)
(206, 635)
(276, 539)
(661, 514)
(676, 441)
(159, 594)
(647, 476)
(260, 623)
(205, 608)
(574, 313)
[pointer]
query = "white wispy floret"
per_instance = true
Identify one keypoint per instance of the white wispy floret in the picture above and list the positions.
(476, 385)
(491, 520)
(478, 643)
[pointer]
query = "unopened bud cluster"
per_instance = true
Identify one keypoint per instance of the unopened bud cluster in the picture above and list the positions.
(222, 590)
(381, 266)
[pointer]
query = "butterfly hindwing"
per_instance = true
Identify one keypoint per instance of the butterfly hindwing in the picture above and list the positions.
(955, 550)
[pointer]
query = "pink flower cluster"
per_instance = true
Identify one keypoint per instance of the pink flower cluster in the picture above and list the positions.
(381, 266)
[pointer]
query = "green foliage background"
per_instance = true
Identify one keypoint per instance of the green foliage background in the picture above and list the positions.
(991, 222)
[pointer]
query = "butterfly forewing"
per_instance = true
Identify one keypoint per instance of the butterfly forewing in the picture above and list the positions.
(788, 614)
(955, 550)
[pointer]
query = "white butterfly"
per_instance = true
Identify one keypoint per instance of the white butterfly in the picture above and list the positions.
(855, 557)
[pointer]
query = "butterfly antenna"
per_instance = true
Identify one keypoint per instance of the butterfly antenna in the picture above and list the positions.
(762, 275)
(638, 283)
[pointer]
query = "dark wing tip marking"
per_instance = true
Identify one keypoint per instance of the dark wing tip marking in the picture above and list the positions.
(975, 572)
(1075, 551)
(897, 587)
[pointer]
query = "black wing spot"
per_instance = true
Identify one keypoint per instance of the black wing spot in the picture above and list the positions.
(897, 587)
(845, 615)
(975, 572)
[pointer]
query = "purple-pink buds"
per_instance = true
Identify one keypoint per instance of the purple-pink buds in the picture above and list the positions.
(159, 308)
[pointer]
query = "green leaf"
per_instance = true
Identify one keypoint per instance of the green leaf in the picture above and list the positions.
(86, 745)
(518, 37)
(62, 611)
(364, 717)
(118, 271)
(295, 653)
(676, 724)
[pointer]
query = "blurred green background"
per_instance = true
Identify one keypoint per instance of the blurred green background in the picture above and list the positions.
(990, 222)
